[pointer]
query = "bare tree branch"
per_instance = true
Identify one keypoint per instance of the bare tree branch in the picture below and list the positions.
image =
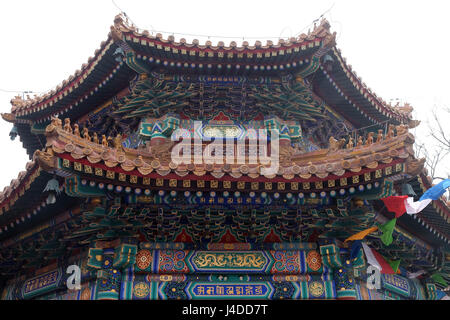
(437, 131)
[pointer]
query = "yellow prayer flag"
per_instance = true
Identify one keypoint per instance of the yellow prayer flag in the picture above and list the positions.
(361, 235)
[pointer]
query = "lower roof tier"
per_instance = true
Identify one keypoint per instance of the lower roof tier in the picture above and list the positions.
(285, 163)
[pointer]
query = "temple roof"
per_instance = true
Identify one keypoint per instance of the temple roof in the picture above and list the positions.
(23, 203)
(105, 74)
(129, 55)
(352, 93)
(120, 31)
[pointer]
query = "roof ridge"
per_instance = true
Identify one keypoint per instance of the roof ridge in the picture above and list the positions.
(18, 103)
(17, 182)
(122, 26)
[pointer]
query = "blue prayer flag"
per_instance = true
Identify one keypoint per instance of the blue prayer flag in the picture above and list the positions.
(437, 191)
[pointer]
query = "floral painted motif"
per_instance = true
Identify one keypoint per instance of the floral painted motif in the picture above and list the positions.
(286, 262)
(283, 290)
(143, 259)
(314, 260)
(172, 261)
(175, 290)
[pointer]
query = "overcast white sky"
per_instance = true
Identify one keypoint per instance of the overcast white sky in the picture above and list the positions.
(399, 48)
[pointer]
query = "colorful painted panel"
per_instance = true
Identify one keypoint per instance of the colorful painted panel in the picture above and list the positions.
(42, 283)
(394, 289)
(213, 290)
(171, 261)
(288, 262)
(396, 284)
(144, 289)
(316, 289)
(256, 261)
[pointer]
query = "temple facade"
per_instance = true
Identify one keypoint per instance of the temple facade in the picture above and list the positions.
(176, 170)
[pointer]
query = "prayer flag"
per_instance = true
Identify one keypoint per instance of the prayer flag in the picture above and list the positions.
(388, 229)
(362, 234)
(375, 259)
(395, 204)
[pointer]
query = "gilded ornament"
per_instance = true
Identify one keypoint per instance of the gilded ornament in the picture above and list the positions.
(380, 135)
(141, 290)
(316, 289)
(229, 260)
(76, 130)
(95, 138)
(86, 134)
(67, 126)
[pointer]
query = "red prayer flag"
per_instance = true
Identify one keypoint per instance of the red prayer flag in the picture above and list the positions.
(385, 267)
(375, 259)
(396, 204)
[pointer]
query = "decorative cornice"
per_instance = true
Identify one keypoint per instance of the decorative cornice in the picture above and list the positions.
(67, 144)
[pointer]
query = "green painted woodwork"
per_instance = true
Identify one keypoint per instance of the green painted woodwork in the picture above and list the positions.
(330, 256)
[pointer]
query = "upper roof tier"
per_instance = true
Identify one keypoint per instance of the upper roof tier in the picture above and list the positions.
(105, 74)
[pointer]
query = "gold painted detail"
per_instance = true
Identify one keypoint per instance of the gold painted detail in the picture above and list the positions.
(200, 183)
(141, 290)
(316, 289)
(78, 166)
(214, 184)
(378, 173)
(388, 170)
(229, 260)
(98, 172)
(173, 183)
(186, 183)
